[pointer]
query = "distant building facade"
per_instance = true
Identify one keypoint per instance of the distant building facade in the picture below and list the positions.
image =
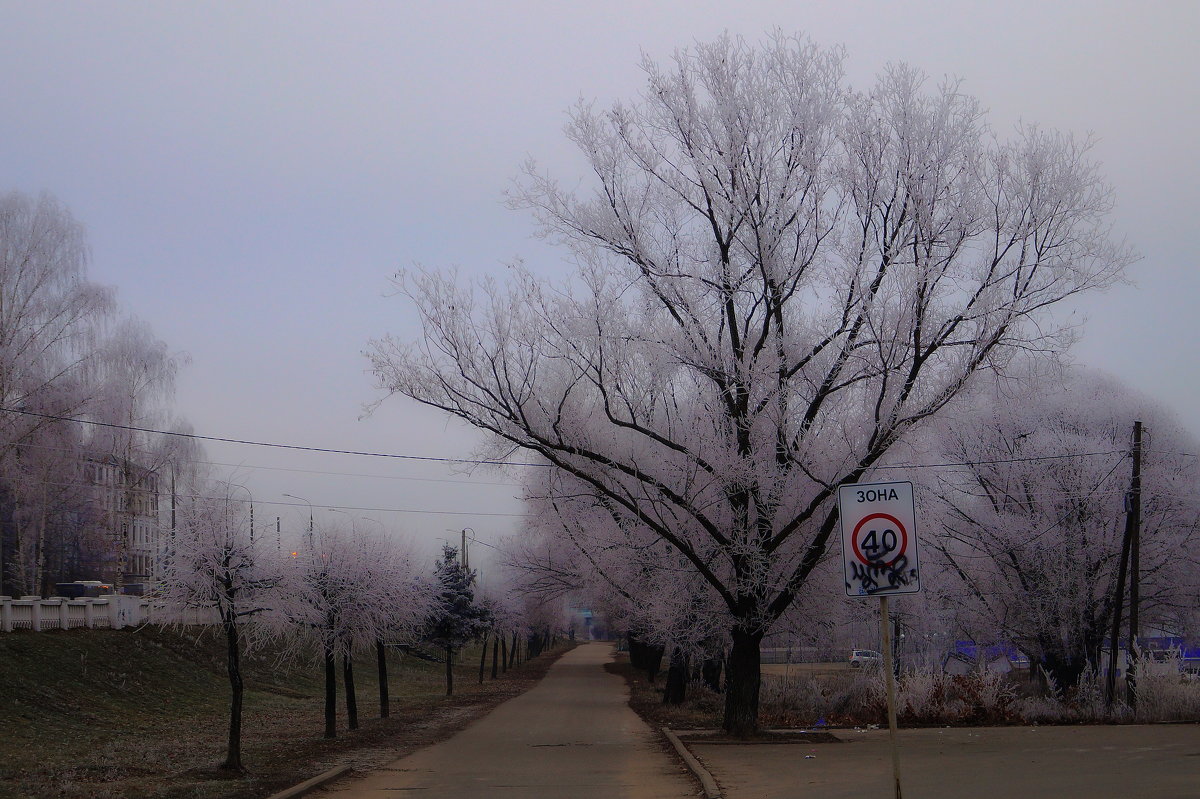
(127, 497)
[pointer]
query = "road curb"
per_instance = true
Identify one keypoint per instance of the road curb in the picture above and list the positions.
(308, 785)
(711, 791)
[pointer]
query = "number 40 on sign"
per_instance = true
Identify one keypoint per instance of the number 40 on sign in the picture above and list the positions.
(879, 539)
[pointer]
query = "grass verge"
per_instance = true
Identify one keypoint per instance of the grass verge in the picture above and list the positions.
(144, 714)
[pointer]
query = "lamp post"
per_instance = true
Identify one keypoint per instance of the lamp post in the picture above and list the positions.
(310, 521)
(249, 494)
(353, 528)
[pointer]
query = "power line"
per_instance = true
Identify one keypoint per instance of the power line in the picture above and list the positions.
(362, 453)
(248, 442)
(254, 467)
(1043, 533)
(251, 501)
(1030, 459)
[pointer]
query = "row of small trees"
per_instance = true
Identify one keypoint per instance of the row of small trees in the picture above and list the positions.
(337, 596)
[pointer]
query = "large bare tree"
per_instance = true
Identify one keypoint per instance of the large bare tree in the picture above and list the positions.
(777, 277)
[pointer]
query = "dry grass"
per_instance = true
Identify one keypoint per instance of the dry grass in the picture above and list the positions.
(144, 715)
(825, 697)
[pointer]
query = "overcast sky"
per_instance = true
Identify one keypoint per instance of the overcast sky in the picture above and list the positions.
(251, 174)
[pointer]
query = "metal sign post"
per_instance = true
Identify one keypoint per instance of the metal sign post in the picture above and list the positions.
(879, 556)
(885, 636)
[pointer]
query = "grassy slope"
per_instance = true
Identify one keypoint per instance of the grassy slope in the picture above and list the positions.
(144, 714)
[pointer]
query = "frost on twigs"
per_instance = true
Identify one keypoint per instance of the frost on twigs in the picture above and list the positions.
(778, 277)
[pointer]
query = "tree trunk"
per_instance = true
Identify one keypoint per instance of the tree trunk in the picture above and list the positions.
(449, 670)
(1065, 669)
(654, 655)
(637, 652)
(233, 665)
(381, 663)
(330, 693)
(741, 685)
(482, 658)
(710, 672)
(675, 690)
(351, 697)
(495, 653)
(504, 644)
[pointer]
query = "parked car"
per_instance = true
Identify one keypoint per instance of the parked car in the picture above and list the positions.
(864, 657)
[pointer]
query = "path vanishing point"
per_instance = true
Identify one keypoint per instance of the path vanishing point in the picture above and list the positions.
(572, 735)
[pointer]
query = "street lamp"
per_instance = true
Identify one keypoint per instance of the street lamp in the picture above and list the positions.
(353, 529)
(382, 529)
(239, 485)
(310, 520)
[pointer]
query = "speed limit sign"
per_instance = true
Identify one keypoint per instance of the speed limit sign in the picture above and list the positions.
(879, 539)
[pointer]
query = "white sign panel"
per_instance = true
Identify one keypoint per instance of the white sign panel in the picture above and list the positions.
(879, 539)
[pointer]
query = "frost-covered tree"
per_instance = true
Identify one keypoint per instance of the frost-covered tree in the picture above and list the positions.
(63, 355)
(135, 385)
(51, 318)
(778, 278)
(213, 568)
(53, 531)
(1028, 531)
(351, 592)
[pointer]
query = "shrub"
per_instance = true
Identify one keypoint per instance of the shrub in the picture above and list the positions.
(930, 696)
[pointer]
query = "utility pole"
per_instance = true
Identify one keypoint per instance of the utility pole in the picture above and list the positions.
(1133, 505)
(1110, 684)
(1134, 517)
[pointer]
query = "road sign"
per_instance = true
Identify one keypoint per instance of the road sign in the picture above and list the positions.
(879, 539)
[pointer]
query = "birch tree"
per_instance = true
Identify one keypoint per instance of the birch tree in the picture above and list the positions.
(64, 355)
(777, 278)
(51, 318)
(133, 393)
(54, 535)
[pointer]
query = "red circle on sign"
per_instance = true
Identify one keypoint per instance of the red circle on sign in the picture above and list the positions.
(899, 528)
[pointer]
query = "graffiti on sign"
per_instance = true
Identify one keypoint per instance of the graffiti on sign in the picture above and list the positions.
(879, 545)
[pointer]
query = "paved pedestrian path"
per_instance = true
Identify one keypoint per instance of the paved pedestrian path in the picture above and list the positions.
(573, 735)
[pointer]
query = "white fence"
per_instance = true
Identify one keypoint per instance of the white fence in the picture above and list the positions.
(113, 611)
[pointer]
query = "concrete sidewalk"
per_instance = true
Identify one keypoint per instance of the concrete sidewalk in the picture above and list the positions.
(1159, 761)
(573, 735)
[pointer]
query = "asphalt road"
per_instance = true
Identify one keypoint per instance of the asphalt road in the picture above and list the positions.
(573, 735)
(1160, 761)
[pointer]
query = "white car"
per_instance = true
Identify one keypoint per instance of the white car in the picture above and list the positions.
(864, 657)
